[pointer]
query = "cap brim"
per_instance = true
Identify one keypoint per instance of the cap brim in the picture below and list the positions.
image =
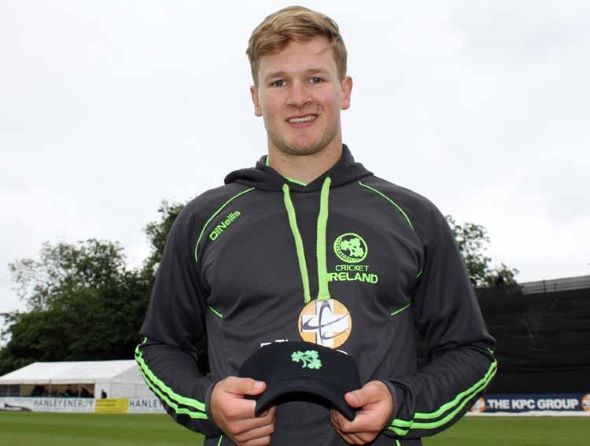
(308, 386)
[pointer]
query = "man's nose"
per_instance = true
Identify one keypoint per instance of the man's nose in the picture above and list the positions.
(299, 95)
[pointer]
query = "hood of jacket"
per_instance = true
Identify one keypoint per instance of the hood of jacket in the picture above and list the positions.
(264, 177)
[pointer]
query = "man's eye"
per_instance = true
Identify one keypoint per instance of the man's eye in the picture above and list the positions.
(316, 80)
(278, 83)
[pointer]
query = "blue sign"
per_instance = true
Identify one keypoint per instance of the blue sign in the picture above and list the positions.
(518, 403)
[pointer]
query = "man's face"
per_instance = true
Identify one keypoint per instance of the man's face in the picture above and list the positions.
(300, 95)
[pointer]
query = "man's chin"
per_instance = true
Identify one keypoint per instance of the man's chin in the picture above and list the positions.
(304, 152)
(301, 149)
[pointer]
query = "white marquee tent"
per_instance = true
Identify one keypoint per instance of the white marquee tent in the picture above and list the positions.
(115, 379)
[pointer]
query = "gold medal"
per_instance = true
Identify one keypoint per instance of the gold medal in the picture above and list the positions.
(325, 322)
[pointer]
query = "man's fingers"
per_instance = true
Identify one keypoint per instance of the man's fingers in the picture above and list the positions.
(364, 423)
(228, 395)
(234, 413)
(261, 441)
(242, 410)
(374, 404)
(336, 419)
(250, 430)
(255, 433)
(241, 414)
(267, 418)
(348, 427)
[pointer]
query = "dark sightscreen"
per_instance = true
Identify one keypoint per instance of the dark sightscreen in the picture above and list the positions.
(543, 339)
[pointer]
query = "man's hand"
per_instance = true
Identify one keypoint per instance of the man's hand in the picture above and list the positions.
(234, 414)
(375, 408)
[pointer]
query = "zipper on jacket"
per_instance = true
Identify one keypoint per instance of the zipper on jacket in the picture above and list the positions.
(321, 253)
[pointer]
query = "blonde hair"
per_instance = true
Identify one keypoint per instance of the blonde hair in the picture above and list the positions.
(294, 23)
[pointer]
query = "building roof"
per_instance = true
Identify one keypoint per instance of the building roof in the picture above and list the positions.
(75, 372)
(554, 285)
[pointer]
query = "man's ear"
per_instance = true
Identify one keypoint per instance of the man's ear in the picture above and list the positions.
(346, 86)
(255, 101)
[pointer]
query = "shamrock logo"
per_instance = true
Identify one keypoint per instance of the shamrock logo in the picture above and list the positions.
(309, 359)
(351, 248)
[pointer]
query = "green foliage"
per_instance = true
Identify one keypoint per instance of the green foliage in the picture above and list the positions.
(83, 305)
(64, 269)
(157, 232)
(473, 240)
(83, 302)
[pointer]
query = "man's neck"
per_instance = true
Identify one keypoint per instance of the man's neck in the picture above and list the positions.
(306, 168)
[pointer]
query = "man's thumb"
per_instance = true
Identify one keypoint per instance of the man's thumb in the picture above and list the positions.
(243, 386)
(252, 387)
(258, 387)
(354, 399)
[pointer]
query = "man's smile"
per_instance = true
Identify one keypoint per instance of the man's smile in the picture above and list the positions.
(302, 121)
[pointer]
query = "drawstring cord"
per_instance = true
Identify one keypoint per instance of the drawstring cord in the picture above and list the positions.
(298, 242)
(323, 289)
(321, 254)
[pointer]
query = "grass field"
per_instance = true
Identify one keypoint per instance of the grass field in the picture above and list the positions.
(41, 429)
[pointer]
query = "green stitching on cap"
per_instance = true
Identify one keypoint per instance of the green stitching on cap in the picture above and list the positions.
(309, 359)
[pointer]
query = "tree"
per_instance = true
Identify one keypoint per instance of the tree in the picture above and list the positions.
(157, 232)
(64, 268)
(83, 304)
(473, 240)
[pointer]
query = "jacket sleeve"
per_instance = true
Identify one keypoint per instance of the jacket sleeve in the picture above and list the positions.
(174, 323)
(460, 361)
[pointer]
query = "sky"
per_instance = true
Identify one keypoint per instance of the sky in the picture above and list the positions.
(109, 107)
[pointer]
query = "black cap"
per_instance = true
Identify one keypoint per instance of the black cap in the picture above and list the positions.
(290, 369)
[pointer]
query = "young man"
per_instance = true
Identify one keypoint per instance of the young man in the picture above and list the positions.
(309, 245)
